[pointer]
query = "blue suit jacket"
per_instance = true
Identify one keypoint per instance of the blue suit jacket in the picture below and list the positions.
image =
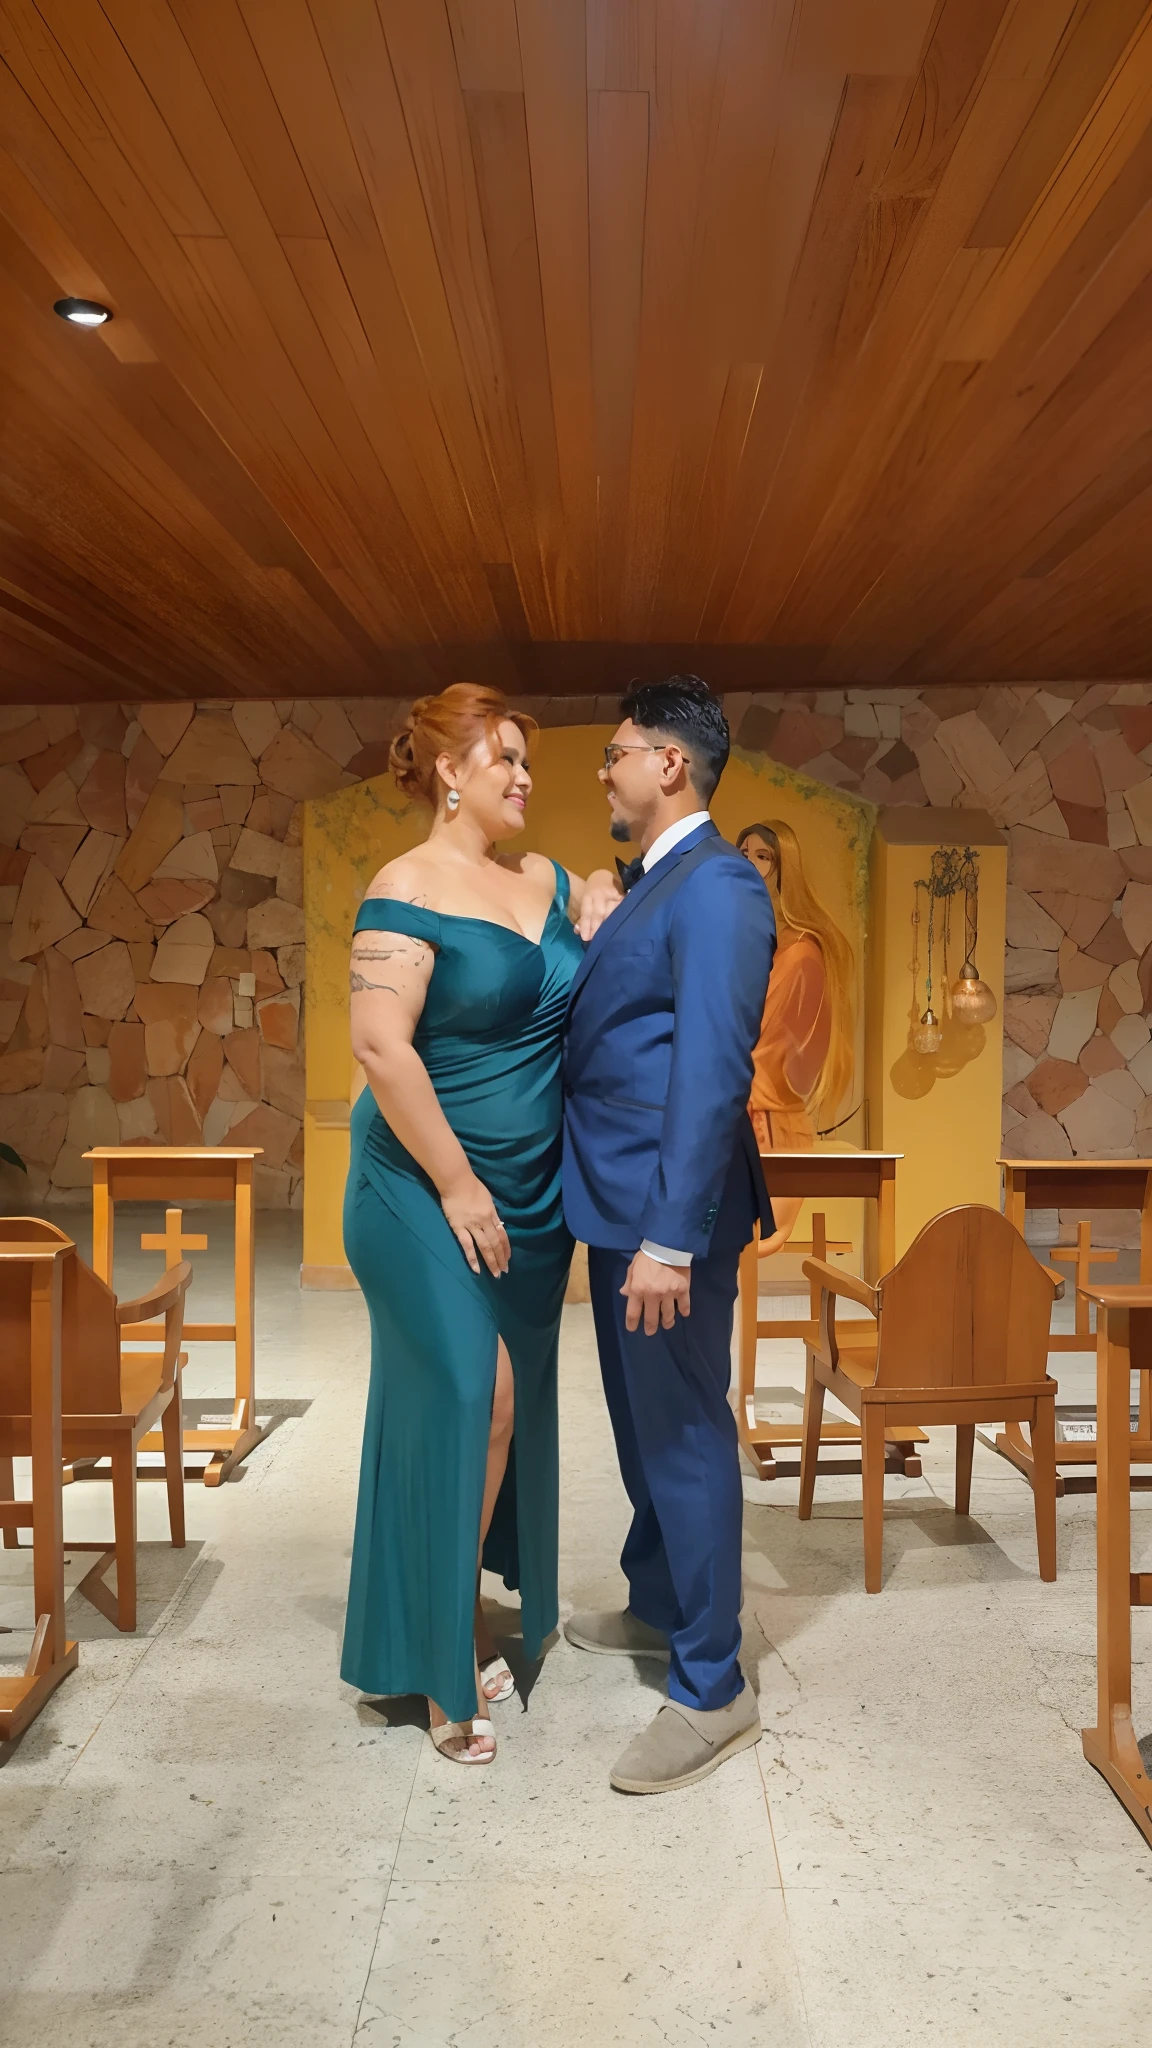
(663, 1017)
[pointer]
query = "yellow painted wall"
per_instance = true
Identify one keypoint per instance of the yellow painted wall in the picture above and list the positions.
(942, 1111)
(349, 835)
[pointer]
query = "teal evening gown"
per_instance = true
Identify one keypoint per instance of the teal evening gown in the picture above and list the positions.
(490, 1039)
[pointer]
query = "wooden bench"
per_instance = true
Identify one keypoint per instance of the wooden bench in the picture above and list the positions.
(1123, 1342)
(38, 1397)
(111, 1396)
(1080, 1184)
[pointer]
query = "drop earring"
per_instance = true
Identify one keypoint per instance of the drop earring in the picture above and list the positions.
(453, 799)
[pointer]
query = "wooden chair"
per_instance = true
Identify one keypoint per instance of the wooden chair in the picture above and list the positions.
(51, 1657)
(961, 1337)
(110, 1397)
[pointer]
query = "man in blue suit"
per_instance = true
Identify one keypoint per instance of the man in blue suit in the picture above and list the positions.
(662, 1181)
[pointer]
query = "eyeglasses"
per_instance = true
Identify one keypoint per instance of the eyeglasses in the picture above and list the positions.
(613, 752)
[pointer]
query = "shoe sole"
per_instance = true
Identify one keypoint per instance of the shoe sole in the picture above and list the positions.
(580, 1642)
(746, 1739)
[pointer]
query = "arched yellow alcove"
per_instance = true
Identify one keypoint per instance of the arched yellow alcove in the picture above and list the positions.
(351, 834)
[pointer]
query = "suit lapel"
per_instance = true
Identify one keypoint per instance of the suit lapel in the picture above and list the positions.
(637, 894)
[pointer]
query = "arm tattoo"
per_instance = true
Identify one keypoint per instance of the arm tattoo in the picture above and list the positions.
(412, 952)
(357, 984)
(410, 958)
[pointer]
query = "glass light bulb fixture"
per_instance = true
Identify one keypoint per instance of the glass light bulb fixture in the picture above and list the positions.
(972, 1000)
(928, 1035)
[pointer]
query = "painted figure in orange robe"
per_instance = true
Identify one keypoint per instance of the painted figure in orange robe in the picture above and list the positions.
(803, 1061)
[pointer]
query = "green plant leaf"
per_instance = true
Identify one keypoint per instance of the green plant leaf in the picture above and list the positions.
(11, 1158)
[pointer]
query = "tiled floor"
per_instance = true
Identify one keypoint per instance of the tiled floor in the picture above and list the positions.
(207, 1839)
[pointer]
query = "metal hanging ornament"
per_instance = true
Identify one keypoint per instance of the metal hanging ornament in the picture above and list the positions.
(969, 1000)
(927, 1035)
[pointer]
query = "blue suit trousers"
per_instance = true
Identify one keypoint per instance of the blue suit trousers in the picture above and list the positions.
(676, 1441)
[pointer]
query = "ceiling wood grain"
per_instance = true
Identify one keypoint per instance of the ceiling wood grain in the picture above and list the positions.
(559, 341)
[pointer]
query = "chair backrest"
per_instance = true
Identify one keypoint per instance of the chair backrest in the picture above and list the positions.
(967, 1305)
(90, 1341)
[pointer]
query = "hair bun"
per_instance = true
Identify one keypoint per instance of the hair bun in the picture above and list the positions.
(453, 722)
(402, 757)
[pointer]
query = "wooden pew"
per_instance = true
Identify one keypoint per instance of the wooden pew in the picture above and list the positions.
(1079, 1184)
(1123, 1342)
(111, 1397)
(35, 1394)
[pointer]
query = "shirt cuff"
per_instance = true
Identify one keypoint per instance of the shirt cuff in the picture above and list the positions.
(664, 1256)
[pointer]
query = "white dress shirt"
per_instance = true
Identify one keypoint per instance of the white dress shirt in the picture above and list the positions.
(664, 1254)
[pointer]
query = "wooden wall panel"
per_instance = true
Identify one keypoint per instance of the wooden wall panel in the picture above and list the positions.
(549, 341)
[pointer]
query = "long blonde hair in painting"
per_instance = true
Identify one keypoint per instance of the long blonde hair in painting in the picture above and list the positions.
(801, 908)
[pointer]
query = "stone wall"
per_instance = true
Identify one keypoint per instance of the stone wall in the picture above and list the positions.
(151, 931)
(151, 928)
(1066, 770)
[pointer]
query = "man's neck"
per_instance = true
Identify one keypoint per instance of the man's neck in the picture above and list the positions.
(670, 813)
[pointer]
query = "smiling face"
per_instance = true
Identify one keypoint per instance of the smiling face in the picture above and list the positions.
(640, 775)
(492, 782)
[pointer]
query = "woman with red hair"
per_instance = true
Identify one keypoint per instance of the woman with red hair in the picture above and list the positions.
(461, 964)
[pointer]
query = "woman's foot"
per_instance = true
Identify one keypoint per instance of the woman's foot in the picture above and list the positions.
(463, 1742)
(496, 1680)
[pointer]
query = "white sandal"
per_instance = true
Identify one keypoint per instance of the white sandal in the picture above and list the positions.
(464, 1731)
(479, 1728)
(496, 1667)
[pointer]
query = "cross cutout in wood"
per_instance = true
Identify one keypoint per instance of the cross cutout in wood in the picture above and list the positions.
(1083, 1255)
(173, 1243)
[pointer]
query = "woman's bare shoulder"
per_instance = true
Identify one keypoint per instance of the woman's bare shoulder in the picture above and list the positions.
(404, 880)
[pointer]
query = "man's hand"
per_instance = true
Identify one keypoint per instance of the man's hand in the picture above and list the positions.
(656, 1291)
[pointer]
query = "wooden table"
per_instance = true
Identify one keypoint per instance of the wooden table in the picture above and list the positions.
(1080, 1184)
(1123, 1341)
(816, 1175)
(51, 1657)
(192, 1173)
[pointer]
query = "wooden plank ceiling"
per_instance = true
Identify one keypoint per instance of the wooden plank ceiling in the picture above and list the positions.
(549, 341)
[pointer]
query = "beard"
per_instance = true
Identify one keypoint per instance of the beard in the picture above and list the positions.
(620, 830)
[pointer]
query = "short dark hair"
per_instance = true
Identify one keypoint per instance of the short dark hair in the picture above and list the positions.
(684, 709)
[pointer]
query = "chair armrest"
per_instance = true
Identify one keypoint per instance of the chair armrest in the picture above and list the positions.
(831, 1283)
(831, 1280)
(171, 1288)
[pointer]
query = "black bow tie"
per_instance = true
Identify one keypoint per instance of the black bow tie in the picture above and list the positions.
(630, 871)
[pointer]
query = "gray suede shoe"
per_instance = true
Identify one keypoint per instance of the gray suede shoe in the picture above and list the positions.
(617, 1635)
(685, 1743)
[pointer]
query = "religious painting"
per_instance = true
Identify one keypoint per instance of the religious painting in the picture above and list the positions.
(803, 1063)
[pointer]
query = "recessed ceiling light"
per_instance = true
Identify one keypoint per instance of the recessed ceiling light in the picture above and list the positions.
(82, 312)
